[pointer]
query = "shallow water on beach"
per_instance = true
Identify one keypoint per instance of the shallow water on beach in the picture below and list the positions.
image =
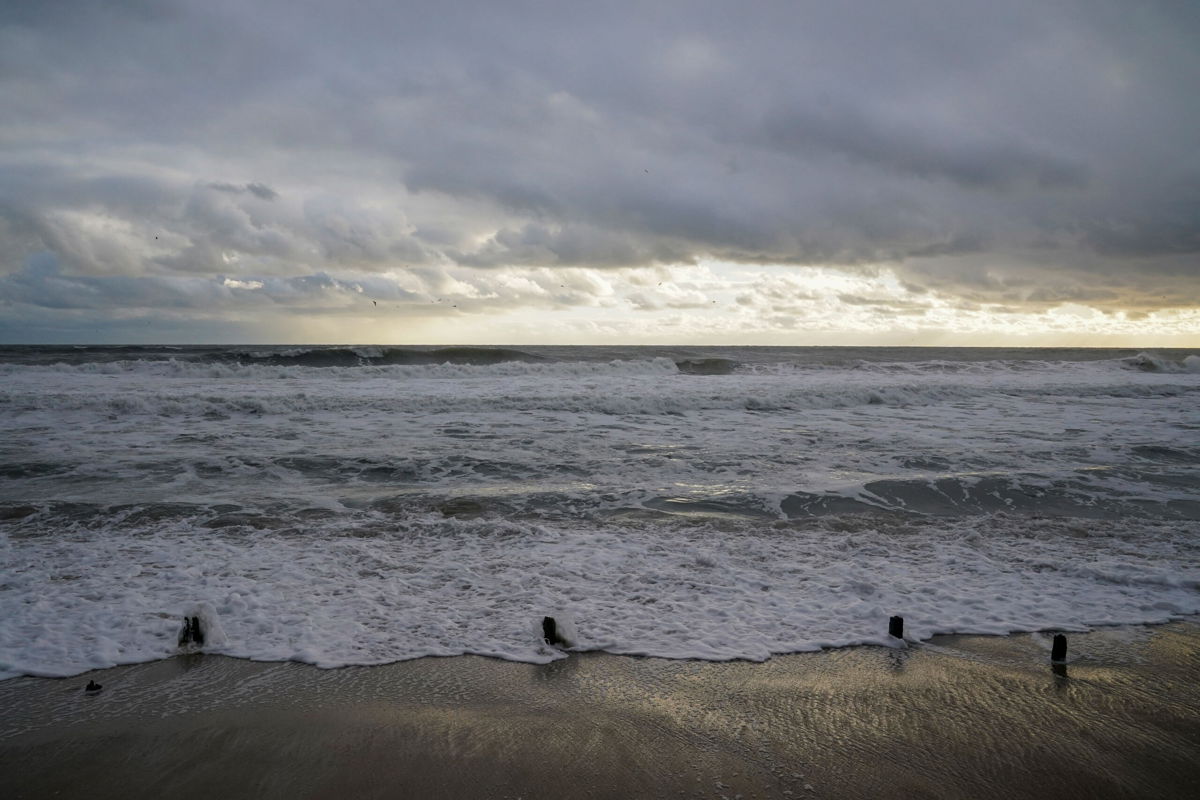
(365, 505)
(979, 717)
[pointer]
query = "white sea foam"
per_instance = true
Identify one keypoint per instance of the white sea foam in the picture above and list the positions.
(618, 388)
(444, 587)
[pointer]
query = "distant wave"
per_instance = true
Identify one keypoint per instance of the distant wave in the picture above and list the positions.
(1151, 362)
(1142, 362)
(352, 366)
(615, 388)
(375, 356)
(707, 366)
(701, 362)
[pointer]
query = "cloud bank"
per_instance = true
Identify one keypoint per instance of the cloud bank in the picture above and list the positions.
(255, 170)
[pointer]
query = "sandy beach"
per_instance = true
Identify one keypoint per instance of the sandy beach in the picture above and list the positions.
(955, 717)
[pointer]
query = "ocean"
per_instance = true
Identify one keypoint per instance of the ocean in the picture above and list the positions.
(363, 505)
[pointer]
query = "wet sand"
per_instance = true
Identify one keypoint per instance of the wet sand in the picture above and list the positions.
(957, 717)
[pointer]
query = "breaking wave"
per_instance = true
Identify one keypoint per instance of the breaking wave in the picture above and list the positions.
(1150, 362)
(375, 356)
(614, 388)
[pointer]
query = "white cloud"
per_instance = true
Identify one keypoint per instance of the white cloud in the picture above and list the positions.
(233, 283)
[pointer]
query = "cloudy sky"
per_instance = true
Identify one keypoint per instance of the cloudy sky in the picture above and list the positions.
(882, 172)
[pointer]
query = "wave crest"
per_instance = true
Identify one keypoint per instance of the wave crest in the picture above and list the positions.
(375, 356)
(1152, 362)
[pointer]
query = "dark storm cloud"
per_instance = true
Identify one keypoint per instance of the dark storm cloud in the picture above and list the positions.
(41, 282)
(986, 162)
(1024, 153)
(259, 190)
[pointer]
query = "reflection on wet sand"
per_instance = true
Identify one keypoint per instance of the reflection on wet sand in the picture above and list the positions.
(956, 717)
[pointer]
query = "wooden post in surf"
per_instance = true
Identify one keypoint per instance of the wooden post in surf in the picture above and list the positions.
(1058, 652)
(192, 632)
(896, 627)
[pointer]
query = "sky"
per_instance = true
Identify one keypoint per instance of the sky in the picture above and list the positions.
(891, 172)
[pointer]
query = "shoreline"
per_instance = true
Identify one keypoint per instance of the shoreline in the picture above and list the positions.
(888, 642)
(956, 716)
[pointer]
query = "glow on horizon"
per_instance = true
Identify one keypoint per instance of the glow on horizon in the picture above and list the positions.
(707, 303)
(719, 303)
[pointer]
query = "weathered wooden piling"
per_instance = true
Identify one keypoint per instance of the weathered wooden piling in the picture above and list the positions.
(550, 630)
(896, 627)
(192, 632)
(1059, 651)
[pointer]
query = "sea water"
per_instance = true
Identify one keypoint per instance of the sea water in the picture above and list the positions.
(338, 505)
